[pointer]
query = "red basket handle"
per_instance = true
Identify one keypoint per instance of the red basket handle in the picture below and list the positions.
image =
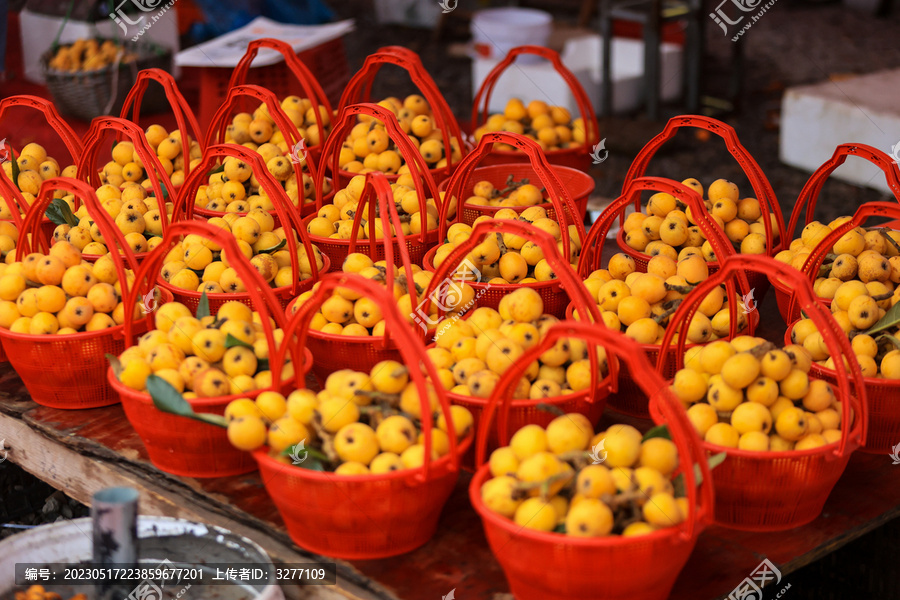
(758, 181)
(684, 436)
(264, 299)
(418, 170)
(15, 202)
(93, 141)
(184, 116)
(216, 132)
(592, 249)
(289, 218)
(835, 338)
(68, 137)
(480, 107)
(809, 195)
(359, 90)
(308, 82)
(411, 348)
(559, 195)
(33, 238)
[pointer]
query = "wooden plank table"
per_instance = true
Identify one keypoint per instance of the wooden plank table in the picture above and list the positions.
(83, 451)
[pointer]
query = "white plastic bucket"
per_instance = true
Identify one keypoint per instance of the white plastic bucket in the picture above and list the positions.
(176, 539)
(498, 30)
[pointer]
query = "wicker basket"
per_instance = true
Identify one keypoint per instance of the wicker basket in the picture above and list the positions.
(90, 94)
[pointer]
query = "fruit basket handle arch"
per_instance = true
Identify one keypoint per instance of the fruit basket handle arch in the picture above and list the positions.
(758, 181)
(425, 186)
(835, 339)
(480, 107)
(184, 116)
(15, 202)
(411, 349)
(559, 195)
(264, 299)
(359, 88)
(308, 82)
(66, 134)
(289, 218)
(809, 195)
(125, 129)
(216, 132)
(619, 347)
(31, 240)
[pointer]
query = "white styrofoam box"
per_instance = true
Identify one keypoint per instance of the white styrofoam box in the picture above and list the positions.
(817, 118)
(496, 31)
(42, 31)
(414, 13)
(584, 57)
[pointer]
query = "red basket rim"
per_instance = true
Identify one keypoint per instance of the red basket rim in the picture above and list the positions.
(205, 212)
(79, 335)
(281, 292)
(316, 239)
(442, 186)
(620, 242)
(491, 518)
(262, 456)
(527, 402)
(537, 285)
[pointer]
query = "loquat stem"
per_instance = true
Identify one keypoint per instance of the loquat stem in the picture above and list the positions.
(669, 311)
(390, 399)
(681, 289)
(884, 232)
(326, 437)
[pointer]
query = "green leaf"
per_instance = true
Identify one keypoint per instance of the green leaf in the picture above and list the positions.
(713, 461)
(231, 342)
(561, 528)
(890, 319)
(550, 408)
(167, 399)
(215, 170)
(313, 464)
(59, 212)
(15, 168)
(890, 338)
(274, 248)
(116, 365)
(658, 431)
(203, 306)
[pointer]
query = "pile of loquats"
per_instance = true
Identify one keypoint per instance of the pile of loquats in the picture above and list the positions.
(198, 264)
(32, 167)
(358, 424)
(669, 228)
(751, 395)
(551, 127)
(256, 129)
(369, 147)
(60, 293)
(88, 54)
(641, 304)
(472, 353)
(546, 479)
(211, 356)
(125, 164)
(515, 193)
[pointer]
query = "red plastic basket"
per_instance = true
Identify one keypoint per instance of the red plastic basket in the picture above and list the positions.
(183, 446)
(613, 568)
(216, 135)
(418, 244)
(327, 64)
(184, 116)
(366, 516)
(774, 491)
(184, 211)
(361, 353)
(809, 196)
(17, 205)
(576, 158)
(68, 138)
(312, 91)
(631, 400)
(589, 402)
(768, 203)
(91, 157)
(359, 91)
(572, 185)
(68, 371)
